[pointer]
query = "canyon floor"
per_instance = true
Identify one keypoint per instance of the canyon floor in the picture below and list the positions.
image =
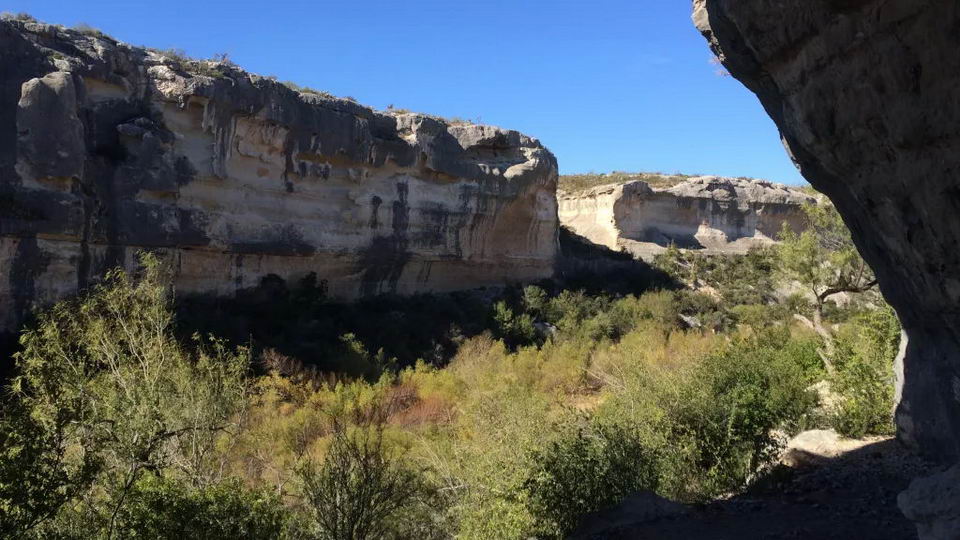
(853, 496)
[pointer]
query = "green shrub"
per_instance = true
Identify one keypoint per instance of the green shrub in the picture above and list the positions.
(357, 359)
(514, 328)
(36, 475)
(739, 279)
(712, 419)
(760, 317)
(306, 89)
(661, 306)
(732, 405)
(584, 471)
(103, 377)
(160, 508)
(864, 379)
(486, 456)
(536, 302)
(88, 30)
(364, 490)
(180, 56)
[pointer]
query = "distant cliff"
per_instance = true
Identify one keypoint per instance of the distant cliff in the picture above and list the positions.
(107, 149)
(714, 214)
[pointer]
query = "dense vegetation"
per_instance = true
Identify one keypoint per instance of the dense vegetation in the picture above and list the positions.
(553, 403)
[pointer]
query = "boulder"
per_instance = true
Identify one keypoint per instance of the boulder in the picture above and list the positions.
(817, 445)
(933, 503)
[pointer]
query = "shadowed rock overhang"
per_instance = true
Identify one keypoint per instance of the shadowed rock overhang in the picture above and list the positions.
(866, 94)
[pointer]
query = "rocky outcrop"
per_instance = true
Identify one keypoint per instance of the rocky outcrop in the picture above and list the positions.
(866, 94)
(107, 149)
(710, 213)
(933, 503)
(817, 446)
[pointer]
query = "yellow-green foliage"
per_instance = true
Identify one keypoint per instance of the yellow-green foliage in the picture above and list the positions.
(617, 374)
(105, 377)
(823, 258)
(866, 349)
(571, 403)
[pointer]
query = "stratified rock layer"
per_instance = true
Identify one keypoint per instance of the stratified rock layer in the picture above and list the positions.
(709, 213)
(866, 94)
(107, 149)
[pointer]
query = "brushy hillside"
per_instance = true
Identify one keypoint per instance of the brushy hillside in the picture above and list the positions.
(580, 182)
(554, 403)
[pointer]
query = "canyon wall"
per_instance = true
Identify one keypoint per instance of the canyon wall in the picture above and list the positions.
(108, 149)
(866, 94)
(708, 213)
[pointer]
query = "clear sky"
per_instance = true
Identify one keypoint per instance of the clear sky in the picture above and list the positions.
(605, 84)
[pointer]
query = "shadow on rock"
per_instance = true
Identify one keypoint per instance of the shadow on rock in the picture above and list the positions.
(581, 264)
(850, 496)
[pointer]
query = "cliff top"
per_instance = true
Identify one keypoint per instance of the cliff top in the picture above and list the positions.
(87, 51)
(572, 183)
(751, 189)
(702, 187)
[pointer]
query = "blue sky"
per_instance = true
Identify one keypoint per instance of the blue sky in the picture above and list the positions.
(605, 84)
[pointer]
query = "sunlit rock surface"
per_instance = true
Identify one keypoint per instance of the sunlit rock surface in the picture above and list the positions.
(708, 213)
(107, 149)
(866, 94)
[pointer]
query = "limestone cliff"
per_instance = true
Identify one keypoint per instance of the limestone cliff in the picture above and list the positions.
(107, 149)
(709, 213)
(866, 94)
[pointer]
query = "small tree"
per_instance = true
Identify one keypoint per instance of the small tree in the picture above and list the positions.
(36, 475)
(865, 379)
(825, 261)
(584, 471)
(364, 490)
(136, 400)
(162, 508)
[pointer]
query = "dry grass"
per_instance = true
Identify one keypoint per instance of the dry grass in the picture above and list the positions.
(581, 182)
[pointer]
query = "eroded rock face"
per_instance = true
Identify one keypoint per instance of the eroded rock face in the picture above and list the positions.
(107, 149)
(933, 503)
(709, 213)
(866, 94)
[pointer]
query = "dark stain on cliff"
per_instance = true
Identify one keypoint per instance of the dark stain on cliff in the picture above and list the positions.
(383, 261)
(401, 210)
(184, 170)
(487, 197)
(29, 261)
(238, 265)
(436, 219)
(467, 193)
(15, 206)
(375, 203)
(288, 242)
